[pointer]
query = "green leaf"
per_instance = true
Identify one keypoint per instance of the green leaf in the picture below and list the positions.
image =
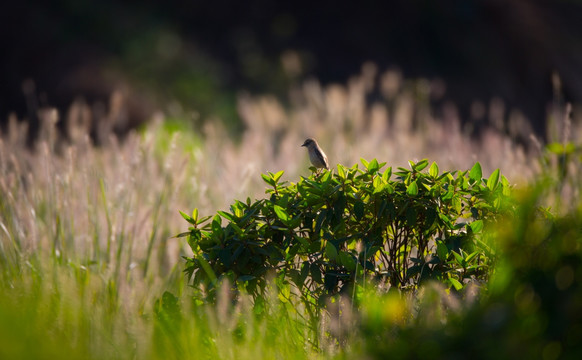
(386, 175)
(188, 218)
(207, 268)
(216, 224)
(412, 189)
(315, 273)
(347, 260)
(226, 215)
(378, 184)
(281, 213)
(364, 162)
(277, 175)
(379, 189)
(506, 186)
(448, 195)
(475, 174)
(458, 257)
(402, 172)
(200, 221)
(373, 166)
(268, 180)
(434, 170)
(326, 176)
(477, 226)
(493, 180)
(445, 219)
(456, 284)
(341, 171)
(377, 181)
(419, 166)
(330, 251)
(471, 256)
(413, 271)
(442, 251)
(457, 205)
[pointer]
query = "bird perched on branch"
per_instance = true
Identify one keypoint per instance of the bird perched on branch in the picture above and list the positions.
(316, 155)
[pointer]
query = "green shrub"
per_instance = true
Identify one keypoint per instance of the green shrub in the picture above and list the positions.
(533, 304)
(531, 309)
(330, 231)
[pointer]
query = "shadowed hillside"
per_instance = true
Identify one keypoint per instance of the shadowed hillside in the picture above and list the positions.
(202, 53)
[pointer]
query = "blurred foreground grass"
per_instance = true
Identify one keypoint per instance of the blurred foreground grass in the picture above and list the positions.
(89, 268)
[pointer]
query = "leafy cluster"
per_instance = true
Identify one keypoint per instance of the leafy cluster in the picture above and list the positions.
(533, 307)
(330, 231)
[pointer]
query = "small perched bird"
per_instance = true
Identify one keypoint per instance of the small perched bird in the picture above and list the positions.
(316, 155)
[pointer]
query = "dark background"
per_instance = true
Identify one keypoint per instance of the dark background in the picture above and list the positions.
(199, 54)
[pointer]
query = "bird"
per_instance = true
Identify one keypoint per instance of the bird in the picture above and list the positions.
(316, 155)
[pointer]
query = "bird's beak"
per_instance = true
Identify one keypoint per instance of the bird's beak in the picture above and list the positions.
(303, 144)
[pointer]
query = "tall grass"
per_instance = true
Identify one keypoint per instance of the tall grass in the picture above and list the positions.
(88, 264)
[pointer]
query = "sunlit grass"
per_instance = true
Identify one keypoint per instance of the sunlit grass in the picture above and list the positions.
(89, 267)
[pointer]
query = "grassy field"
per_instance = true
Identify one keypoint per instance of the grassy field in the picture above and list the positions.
(89, 267)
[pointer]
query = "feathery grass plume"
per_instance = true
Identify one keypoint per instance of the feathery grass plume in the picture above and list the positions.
(86, 254)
